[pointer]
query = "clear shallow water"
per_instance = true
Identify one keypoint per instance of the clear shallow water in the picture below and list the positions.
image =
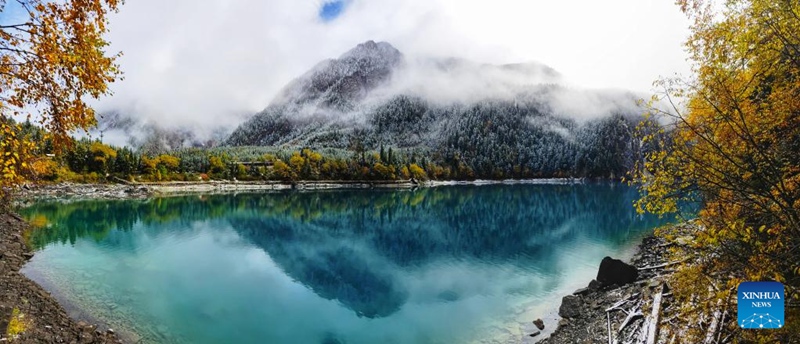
(436, 265)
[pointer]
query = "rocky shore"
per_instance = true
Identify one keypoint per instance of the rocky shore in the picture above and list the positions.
(35, 314)
(142, 190)
(630, 313)
(81, 191)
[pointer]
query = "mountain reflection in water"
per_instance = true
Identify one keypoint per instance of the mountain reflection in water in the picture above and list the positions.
(373, 252)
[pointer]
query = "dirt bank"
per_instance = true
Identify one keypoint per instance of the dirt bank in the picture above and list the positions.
(43, 319)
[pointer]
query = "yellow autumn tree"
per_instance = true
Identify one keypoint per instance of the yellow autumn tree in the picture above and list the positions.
(282, 171)
(732, 146)
(51, 60)
(417, 172)
(101, 154)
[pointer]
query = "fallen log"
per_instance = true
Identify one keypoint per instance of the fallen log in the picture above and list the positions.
(643, 334)
(712, 328)
(616, 305)
(635, 313)
(659, 266)
(652, 331)
(123, 181)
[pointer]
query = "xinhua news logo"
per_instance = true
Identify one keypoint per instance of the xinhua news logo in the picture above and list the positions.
(760, 305)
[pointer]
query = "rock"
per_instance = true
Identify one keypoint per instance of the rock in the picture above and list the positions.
(582, 291)
(614, 271)
(535, 333)
(27, 255)
(570, 306)
(563, 322)
(594, 285)
(539, 324)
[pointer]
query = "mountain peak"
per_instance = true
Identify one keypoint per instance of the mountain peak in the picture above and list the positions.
(371, 50)
(339, 84)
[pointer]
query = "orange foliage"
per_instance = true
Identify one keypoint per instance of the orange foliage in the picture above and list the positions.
(52, 61)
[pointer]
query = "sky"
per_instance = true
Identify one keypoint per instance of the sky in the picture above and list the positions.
(211, 63)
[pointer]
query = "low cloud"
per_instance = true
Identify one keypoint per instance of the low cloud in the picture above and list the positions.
(210, 66)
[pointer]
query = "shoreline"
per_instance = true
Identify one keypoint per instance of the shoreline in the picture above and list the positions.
(79, 191)
(72, 191)
(45, 319)
(587, 314)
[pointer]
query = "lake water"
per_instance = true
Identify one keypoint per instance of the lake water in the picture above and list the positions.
(455, 264)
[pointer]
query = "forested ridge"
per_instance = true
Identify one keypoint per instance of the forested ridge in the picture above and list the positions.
(347, 120)
(604, 148)
(517, 133)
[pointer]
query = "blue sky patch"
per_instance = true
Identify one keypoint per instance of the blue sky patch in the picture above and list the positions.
(12, 13)
(331, 10)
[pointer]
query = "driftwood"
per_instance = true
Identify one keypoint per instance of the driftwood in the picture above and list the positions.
(725, 313)
(123, 181)
(616, 305)
(632, 314)
(635, 313)
(652, 330)
(667, 320)
(719, 333)
(630, 336)
(662, 265)
(643, 334)
(712, 328)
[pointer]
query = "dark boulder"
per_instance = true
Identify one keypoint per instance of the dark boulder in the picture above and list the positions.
(616, 272)
(539, 324)
(570, 306)
(582, 291)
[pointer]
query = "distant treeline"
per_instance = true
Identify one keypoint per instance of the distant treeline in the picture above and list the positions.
(487, 139)
(496, 149)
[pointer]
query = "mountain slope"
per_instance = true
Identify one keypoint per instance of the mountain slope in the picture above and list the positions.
(508, 120)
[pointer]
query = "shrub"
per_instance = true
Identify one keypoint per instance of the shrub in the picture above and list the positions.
(16, 325)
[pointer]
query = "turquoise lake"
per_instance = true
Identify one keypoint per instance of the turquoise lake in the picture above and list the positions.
(450, 264)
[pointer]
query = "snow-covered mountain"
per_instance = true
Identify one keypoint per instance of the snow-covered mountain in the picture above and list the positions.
(489, 117)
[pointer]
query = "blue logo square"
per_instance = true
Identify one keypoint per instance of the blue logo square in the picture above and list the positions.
(761, 305)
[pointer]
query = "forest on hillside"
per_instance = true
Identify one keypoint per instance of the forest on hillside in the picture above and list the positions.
(482, 143)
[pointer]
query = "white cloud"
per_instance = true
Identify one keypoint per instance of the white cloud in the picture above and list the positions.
(206, 64)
